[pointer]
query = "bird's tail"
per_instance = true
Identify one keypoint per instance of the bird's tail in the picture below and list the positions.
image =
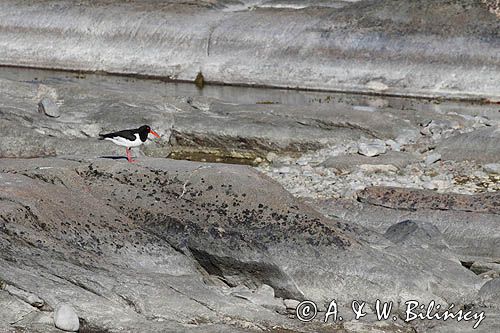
(101, 137)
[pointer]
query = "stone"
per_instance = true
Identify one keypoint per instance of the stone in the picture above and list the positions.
(430, 185)
(490, 275)
(492, 168)
(65, 318)
(271, 156)
(416, 233)
(372, 149)
(480, 267)
(302, 162)
(377, 86)
(291, 303)
(91, 130)
(490, 293)
(29, 298)
(432, 158)
(13, 310)
(438, 127)
(49, 108)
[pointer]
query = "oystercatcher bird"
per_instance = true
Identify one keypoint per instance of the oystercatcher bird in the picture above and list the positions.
(129, 138)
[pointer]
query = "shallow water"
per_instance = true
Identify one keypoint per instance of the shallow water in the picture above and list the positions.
(244, 95)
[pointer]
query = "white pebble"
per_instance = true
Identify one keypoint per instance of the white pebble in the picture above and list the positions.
(372, 149)
(65, 318)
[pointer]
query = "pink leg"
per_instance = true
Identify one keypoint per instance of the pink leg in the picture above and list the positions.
(129, 156)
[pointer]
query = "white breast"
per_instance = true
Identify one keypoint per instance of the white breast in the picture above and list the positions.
(118, 140)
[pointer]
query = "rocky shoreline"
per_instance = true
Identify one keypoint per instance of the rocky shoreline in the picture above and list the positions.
(257, 206)
(200, 240)
(369, 200)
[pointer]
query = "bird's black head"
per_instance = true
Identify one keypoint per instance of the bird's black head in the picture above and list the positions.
(144, 130)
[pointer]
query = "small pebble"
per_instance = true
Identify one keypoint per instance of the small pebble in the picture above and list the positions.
(49, 108)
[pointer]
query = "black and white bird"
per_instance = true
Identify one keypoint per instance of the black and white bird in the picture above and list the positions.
(129, 138)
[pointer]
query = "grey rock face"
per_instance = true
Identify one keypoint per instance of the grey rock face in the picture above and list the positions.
(166, 228)
(222, 129)
(447, 49)
(65, 318)
(470, 235)
(235, 128)
(27, 297)
(416, 199)
(480, 145)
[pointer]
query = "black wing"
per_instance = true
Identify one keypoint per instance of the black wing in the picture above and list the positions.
(127, 134)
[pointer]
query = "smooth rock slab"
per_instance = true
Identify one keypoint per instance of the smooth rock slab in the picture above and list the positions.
(348, 162)
(472, 236)
(65, 318)
(411, 199)
(480, 145)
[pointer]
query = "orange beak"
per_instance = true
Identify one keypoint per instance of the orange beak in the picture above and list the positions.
(154, 133)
